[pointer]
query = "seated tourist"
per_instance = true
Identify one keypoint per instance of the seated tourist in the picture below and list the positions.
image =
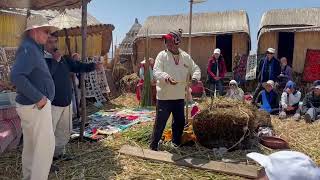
(311, 103)
(268, 99)
(290, 101)
(234, 92)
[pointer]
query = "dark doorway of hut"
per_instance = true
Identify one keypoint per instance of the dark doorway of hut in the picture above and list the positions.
(286, 46)
(224, 43)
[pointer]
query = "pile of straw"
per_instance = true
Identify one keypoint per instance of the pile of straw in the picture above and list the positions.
(228, 123)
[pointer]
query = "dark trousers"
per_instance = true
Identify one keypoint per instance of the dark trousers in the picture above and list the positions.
(216, 85)
(163, 111)
(296, 107)
(256, 92)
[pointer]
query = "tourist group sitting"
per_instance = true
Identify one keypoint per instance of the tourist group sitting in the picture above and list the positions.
(276, 91)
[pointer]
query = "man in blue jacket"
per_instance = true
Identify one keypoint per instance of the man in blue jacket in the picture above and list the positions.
(269, 69)
(35, 91)
(60, 69)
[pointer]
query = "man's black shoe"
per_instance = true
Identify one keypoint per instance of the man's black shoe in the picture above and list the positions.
(54, 168)
(63, 157)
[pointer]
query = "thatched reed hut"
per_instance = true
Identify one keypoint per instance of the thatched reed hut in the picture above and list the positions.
(126, 46)
(99, 35)
(291, 32)
(228, 31)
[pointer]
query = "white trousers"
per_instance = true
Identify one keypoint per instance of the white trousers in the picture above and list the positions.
(38, 141)
(62, 126)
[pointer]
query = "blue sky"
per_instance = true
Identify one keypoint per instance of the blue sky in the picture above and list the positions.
(121, 13)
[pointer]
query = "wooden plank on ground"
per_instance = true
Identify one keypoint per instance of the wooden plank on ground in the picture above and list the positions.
(242, 170)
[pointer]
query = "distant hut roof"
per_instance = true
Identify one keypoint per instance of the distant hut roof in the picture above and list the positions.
(304, 19)
(203, 24)
(41, 4)
(127, 43)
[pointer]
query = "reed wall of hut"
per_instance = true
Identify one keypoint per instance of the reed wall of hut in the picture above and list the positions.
(304, 41)
(202, 48)
(11, 29)
(268, 40)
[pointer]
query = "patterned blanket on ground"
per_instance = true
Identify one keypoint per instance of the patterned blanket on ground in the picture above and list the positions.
(114, 121)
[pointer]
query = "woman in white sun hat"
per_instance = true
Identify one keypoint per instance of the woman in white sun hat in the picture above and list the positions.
(286, 165)
(35, 91)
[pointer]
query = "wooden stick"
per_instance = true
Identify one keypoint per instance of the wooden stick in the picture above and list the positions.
(67, 40)
(242, 170)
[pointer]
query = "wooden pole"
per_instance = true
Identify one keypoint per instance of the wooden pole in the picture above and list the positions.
(112, 53)
(83, 57)
(67, 40)
(190, 27)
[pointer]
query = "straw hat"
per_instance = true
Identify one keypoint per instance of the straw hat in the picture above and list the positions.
(38, 21)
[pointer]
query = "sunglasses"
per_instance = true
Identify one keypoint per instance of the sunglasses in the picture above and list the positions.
(46, 31)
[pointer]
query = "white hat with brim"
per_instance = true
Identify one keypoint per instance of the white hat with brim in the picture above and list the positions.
(233, 82)
(271, 50)
(287, 165)
(317, 87)
(38, 21)
(270, 83)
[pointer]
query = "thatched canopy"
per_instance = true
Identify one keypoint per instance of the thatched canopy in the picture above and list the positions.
(126, 46)
(71, 20)
(50, 14)
(203, 24)
(304, 19)
(41, 4)
(91, 29)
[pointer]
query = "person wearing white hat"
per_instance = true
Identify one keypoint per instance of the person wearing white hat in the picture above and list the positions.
(235, 92)
(269, 69)
(216, 71)
(311, 103)
(286, 165)
(35, 91)
(268, 99)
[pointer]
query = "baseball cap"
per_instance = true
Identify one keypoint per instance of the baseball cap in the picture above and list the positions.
(287, 165)
(217, 51)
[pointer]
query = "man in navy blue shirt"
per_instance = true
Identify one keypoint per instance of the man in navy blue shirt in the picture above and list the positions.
(60, 69)
(269, 69)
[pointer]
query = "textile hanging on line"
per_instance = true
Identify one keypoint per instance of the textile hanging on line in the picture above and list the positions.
(312, 66)
(251, 67)
(96, 82)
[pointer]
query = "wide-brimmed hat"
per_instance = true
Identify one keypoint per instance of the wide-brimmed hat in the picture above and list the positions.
(271, 51)
(39, 21)
(287, 165)
(269, 82)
